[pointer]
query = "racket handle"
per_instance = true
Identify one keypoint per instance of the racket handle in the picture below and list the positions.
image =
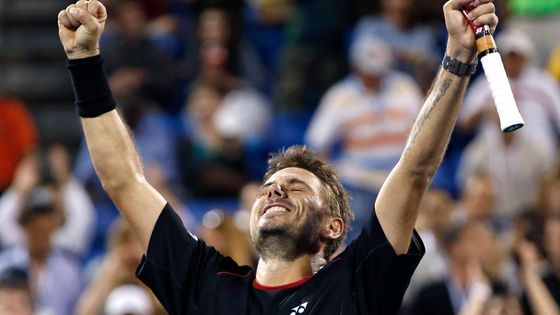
(510, 118)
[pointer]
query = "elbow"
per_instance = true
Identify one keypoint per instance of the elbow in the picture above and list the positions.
(114, 185)
(421, 173)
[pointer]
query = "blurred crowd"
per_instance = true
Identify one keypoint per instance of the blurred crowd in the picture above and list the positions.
(210, 87)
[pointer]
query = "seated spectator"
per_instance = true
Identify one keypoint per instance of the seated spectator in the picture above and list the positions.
(218, 230)
(213, 165)
(368, 116)
(129, 299)
(539, 18)
(15, 293)
(541, 279)
(412, 44)
(477, 199)
(536, 92)
(499, 155)
(225, 54)
(137, 68)
(75, 234)
(54, 278)
(18, 138)
(434, 219)
(111, 275)
(468, 286)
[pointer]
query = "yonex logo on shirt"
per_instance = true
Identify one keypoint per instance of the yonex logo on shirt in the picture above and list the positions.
(299, 309)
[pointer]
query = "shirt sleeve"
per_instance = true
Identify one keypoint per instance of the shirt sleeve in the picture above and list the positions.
(76, 234)
(381, 277)
(324, 128)
(178, 267)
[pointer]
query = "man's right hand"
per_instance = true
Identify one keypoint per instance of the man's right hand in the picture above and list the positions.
(80, 27)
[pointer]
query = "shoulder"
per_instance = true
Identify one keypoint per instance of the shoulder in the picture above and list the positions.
(341, 94)
(402, 84)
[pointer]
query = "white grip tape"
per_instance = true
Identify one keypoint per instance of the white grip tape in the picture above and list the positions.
(510, 118)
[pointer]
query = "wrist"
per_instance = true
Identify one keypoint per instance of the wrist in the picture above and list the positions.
(463, 55)
(82, 54)
(91, 87)
(458, 68)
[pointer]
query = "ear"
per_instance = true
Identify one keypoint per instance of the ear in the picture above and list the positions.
(333, 228)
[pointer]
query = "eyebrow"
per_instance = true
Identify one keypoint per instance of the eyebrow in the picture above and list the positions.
(291, 181)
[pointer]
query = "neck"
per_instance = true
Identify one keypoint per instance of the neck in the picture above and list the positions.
(38, 257)
(274, 272)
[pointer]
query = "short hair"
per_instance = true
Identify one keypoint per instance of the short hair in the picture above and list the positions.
(14, 279)
(336, 197)
(40, 202)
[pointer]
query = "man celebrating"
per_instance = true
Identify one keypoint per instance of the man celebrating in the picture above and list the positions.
(301, 214)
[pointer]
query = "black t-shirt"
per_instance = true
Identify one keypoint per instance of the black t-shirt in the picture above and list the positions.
(188, 277)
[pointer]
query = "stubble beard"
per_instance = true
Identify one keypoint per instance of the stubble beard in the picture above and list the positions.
(290, 241)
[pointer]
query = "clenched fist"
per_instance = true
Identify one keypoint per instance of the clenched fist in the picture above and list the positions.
(461, 43)
(80, 27)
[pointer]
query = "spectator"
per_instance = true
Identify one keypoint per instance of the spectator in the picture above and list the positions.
(111, 280)
(15, 294)
(412, 44)
(219, 231)
(498, 155)
(18, 138)
(75, 235)
(477, 200)
(536, 92)
(129, 300)
(213, 165)
(434, 219)
(54, 277)
(539, 18)
(541, 281)
(137, 68)
(225, 54)
(368, 114)
(467, 287)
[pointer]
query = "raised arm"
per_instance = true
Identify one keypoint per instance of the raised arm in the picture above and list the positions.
(112, 150)
(399, 198)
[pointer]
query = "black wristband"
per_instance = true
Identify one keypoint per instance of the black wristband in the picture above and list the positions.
(457, 67)
(91, 88)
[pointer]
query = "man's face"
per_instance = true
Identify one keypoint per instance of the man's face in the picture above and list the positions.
(39, 231)
(288, 208)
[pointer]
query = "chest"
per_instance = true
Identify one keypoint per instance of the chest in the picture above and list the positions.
(331, 294)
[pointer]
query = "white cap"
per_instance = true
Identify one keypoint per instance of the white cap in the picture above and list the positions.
(515, 41)
(370, 54)
(243, 114)
(129, 299)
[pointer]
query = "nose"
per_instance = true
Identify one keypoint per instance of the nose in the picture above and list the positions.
(276, 191)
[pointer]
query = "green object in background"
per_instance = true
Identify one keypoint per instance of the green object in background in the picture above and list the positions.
(534, 7)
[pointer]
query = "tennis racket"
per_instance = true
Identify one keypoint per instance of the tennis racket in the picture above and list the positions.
(510, 118)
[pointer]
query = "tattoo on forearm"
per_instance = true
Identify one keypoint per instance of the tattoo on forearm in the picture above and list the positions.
(426, 112)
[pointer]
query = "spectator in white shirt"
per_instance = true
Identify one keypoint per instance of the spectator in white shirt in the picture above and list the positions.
(76, 233)
(368, 115)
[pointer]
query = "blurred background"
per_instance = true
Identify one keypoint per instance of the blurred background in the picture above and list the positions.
(210, 87)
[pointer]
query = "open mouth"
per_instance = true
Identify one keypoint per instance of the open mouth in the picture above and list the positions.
(275, 209)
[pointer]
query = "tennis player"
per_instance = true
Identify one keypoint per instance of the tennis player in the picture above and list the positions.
(301, 215)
